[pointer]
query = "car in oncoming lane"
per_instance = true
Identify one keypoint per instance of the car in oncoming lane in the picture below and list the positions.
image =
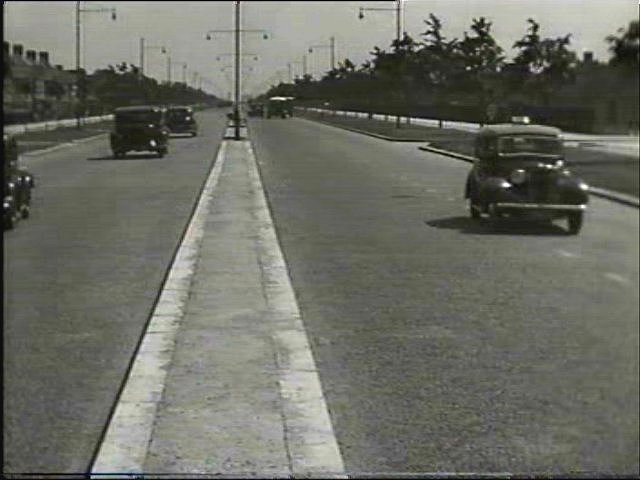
(181, 120)
(140, 128)
(520, 171)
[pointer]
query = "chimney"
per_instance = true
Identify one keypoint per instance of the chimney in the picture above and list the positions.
(31, 56)
(587, 57)
(17, 50)
(43, 58)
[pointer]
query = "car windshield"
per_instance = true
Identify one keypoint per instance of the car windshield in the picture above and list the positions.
(138, 117)
(516, 144)
(179, 113)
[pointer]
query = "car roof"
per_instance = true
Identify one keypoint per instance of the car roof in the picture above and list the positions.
(139, 108)
(518, 129)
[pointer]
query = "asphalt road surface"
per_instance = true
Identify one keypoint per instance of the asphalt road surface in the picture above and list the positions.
(442, 345)
(80, 279)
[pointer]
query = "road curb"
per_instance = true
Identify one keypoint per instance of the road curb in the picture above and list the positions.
(598, 192)
(364, 132)
(72, 143)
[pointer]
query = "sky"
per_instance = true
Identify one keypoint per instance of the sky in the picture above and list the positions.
(292, 27)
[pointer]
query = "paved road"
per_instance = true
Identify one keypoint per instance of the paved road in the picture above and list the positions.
(81, 276)
(441, 345)
(447, 346)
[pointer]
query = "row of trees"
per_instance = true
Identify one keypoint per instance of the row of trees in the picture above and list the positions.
(471, 71)
(123, 85)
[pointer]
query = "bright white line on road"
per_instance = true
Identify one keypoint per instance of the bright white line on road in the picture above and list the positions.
(124, 447)
(309, 436)
(617, 278)
(565, 253)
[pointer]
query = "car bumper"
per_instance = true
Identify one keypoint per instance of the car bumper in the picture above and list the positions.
(502, 206)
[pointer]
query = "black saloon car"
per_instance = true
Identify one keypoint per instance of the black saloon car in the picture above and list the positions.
(520, 171)
(181, 120)
(140, 128)
(18, 183)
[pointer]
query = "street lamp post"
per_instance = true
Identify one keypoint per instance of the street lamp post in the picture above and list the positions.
(236, 31)
(144, 47)
(398, 12)
(332, 46)
(79, 87)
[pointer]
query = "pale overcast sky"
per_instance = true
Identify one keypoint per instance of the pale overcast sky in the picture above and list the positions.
(294, 26)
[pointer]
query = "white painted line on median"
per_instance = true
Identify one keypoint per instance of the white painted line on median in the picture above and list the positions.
(126, 442)
(312, 447)
(617, 278)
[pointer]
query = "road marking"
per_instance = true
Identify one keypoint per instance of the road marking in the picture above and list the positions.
(125, 444)
(565, 253)
(309, 436)
(617, 278)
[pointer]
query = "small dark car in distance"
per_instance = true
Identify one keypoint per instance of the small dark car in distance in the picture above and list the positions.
(181, 120)
(140, 128)
(520, 171)
(18, 183)
(255, 109)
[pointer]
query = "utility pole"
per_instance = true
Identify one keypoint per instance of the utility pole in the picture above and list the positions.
(78, 81)
(332, 42)
(168, 70)
(141, 57)
(236, 107)
(304, 65)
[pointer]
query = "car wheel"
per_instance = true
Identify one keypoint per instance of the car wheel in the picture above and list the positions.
(574, 221)
(474, 210)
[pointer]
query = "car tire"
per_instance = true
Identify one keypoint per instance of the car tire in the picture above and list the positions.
(574, 221)
(474, 210)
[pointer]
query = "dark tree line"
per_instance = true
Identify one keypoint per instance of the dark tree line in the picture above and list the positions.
(472, 71)
(123, 85)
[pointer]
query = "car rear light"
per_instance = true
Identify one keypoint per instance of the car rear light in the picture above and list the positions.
(518, 177)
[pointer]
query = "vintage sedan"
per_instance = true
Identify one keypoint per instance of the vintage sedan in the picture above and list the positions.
(140, 128)
(520, 171)
(181, 120)
(18, 183)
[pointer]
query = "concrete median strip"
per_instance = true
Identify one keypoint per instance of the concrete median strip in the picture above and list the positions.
(124, 446)
(224, 382)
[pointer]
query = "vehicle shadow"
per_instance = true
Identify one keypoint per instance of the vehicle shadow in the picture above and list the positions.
(503, 226)
(128, 156)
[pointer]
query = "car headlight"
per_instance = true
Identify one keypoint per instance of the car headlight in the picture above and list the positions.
(151, 125)
(518, 176)
(583, 186)
(153, 143)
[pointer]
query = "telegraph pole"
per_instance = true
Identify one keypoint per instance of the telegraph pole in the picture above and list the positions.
(141, 57)
(236, 107)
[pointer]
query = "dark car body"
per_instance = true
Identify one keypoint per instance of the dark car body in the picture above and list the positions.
(256, 110)
(181, 120)
(520, 171)
(140, 128)
(280, 107)
(17, 182)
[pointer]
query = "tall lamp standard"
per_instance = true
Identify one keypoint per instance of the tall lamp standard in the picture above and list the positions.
(79, 81)
(236, 31)
(398, 10)
(144, 47)
(332, 46)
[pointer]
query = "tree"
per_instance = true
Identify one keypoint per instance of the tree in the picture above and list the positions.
(626, 47)
(542, 65)
(437, 59)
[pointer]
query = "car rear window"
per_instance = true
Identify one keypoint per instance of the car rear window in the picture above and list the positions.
(138, 117)
(514, 144)
(180, 114)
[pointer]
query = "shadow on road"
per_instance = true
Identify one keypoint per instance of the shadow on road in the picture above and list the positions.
(505, 226)
(129, 156)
